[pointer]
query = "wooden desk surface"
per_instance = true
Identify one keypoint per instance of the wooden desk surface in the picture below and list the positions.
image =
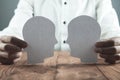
(22, 71)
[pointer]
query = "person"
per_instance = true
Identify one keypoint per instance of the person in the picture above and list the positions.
(61, 12)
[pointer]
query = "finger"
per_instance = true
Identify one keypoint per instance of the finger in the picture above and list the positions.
(105, 43)
(108, 42)
(108, 50)
(105, 56)
(6, 61)
(4, 54)
(110, 59)
(13, 40)
(9, 47)
(19, 54)
(17, 59)
(113, 60)
(13, 56)
(117, 57)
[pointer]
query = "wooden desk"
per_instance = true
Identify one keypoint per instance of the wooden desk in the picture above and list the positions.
(22, 71)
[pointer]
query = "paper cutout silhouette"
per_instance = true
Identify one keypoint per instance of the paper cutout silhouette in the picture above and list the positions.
(39, 33)
(83, 32)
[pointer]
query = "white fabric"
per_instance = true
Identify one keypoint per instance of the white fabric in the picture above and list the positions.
(58, 12)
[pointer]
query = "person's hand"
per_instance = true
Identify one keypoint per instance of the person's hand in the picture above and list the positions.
(11, 49)
(109, 49)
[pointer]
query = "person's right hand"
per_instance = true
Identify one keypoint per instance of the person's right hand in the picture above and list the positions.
(11, 49)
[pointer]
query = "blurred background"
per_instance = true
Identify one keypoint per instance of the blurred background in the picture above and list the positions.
(7, 10)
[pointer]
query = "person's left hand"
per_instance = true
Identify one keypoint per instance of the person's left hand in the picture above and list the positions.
(109, 49)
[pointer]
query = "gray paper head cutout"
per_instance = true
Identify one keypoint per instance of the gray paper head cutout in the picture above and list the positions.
(39, 33)
(83, 32)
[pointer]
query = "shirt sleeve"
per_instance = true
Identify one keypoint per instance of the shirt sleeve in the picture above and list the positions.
(23, 12)
(107, 19)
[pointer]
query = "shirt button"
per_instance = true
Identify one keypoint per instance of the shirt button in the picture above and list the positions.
(64, 41)
(65, 3)
(64, 22)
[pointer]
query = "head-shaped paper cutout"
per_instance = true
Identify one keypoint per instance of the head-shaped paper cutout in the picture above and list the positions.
(39, 33)
(83, 32)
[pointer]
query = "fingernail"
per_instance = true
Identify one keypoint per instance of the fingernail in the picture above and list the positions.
(110, 61)
(11, 48)
(20, 43)
(6, 61)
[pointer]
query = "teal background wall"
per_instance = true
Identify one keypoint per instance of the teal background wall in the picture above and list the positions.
(116, 5)
(7, 10)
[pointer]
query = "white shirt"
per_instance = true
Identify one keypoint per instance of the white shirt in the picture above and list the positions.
(59, 11)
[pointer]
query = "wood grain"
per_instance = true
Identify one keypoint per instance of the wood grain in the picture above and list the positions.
(79, 72)
(112, 72)
(61, 66)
